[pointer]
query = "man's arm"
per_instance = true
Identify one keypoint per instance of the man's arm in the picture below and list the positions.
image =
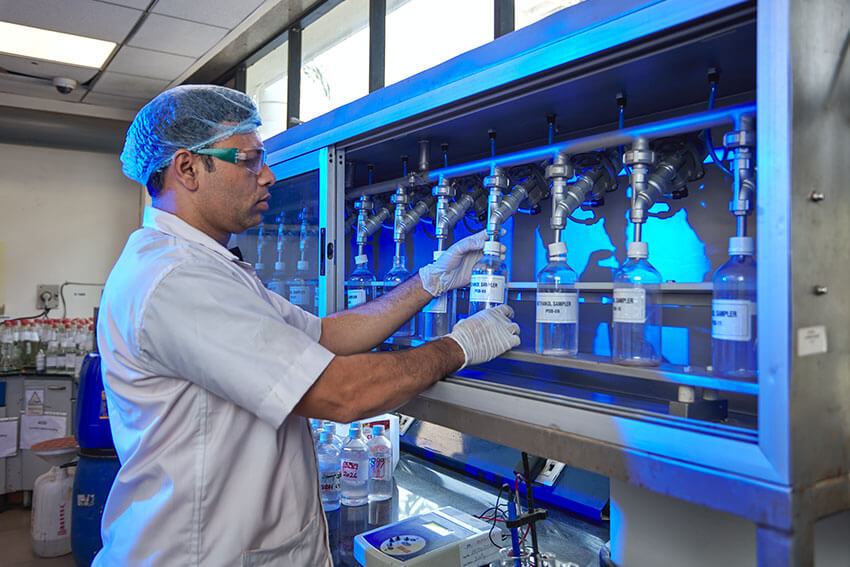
(362, 385)
(362, 328)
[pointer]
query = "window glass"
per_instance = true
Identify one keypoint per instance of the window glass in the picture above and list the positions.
(265, 83)
(335, 59)
(424, 33)
(529, 11)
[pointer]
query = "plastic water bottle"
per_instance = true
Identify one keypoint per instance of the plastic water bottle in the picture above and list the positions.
(355, 469)
(437, 317)
(637, 310)
(733, 312)
(361, 289)
(395, 276)
(488, 283)
(330, 427)
(557, 305)
(329, 472)
(302, 288)
(380, 465)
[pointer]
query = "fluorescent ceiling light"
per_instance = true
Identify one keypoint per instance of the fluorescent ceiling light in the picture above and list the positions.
(53, 46)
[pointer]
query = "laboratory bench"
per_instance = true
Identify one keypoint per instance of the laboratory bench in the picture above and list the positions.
(421, 486)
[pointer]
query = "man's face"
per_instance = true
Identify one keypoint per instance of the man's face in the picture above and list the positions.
(233, 199)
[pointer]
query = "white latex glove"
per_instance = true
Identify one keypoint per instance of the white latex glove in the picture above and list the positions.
(486, 335)
(454, 266)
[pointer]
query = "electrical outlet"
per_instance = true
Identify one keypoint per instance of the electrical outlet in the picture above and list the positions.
(550, 473)
(47, 292)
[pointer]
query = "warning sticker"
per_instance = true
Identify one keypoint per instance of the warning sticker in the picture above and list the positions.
(34, 402)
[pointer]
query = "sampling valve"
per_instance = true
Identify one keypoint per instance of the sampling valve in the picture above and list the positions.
(742, 143)
(495, 184)
(368, 224)
(452, 213)
(640, 158)
(405, 220)
(443, 191)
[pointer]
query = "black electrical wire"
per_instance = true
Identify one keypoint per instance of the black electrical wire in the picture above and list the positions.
(42, 314)
(496, 508)
(708, 142)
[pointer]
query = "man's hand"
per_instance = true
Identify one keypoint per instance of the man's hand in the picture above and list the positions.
(454, 266)
(486, 335)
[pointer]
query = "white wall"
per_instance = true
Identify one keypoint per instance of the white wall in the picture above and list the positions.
(64, 216)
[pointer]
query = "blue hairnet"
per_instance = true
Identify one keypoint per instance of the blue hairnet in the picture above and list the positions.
(188, 116)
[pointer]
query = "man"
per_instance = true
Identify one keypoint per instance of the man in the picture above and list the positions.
(209, 376)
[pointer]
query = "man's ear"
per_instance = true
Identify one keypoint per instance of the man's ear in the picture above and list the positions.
(185, 168)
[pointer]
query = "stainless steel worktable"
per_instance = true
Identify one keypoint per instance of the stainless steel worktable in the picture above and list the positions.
(422, 486)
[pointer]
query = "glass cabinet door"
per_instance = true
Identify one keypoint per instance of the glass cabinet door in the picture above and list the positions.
(289, 248)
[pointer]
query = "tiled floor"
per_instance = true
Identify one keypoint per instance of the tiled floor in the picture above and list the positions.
(17, 547)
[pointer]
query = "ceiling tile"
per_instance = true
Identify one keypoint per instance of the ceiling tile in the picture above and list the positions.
(181, 37)
(129, 85)
(147, 63)
(222, 13)
(138, 4)
(80, 17)
(35, 89)
(45, 69)
(113, 101)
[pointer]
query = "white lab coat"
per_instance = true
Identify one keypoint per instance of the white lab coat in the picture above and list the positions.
(202, 367)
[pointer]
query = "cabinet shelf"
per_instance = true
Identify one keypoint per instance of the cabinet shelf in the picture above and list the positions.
(695, 376)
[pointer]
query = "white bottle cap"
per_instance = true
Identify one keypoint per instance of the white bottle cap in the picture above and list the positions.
(557, 249)
(741, 246)
(493, 248)
(438, 253)
(259, 267)
(278, 266)
(303, 264)
(638, 250)
(361, 259)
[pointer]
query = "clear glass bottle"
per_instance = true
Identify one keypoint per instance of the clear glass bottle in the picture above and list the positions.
(361, 279)
(9, 361)
(395, 276)
(557, 305)
(302, 288)
(637, 310)
(733, 313)
(380, 465)
(355, 468)
(330, 474)
(488, 284)
(438, 317)
(52, 353)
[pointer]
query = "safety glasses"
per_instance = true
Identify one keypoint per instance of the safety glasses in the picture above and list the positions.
(252, 159)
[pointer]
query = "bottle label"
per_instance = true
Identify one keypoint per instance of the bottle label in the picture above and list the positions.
(487, 289)
(629, 305)
(437, 305)
(298, 295)
(378, 469)
(329, 481)
(276, 286)
(557, 307)
(351, 470)
(731, 319)
(51, 361)
(355, 297)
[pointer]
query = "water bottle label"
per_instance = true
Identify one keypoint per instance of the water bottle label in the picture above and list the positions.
(276, 286)
(437, 305)
(629, 305)
(351, 470)
(51, 361)
(355, 297)
(329, 481)
(730, 319)
(558, 307)
(487, 289)
(378, 469)
(298, 295)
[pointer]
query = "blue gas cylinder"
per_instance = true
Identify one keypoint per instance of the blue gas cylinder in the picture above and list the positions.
(91, 421)
(95, 472)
